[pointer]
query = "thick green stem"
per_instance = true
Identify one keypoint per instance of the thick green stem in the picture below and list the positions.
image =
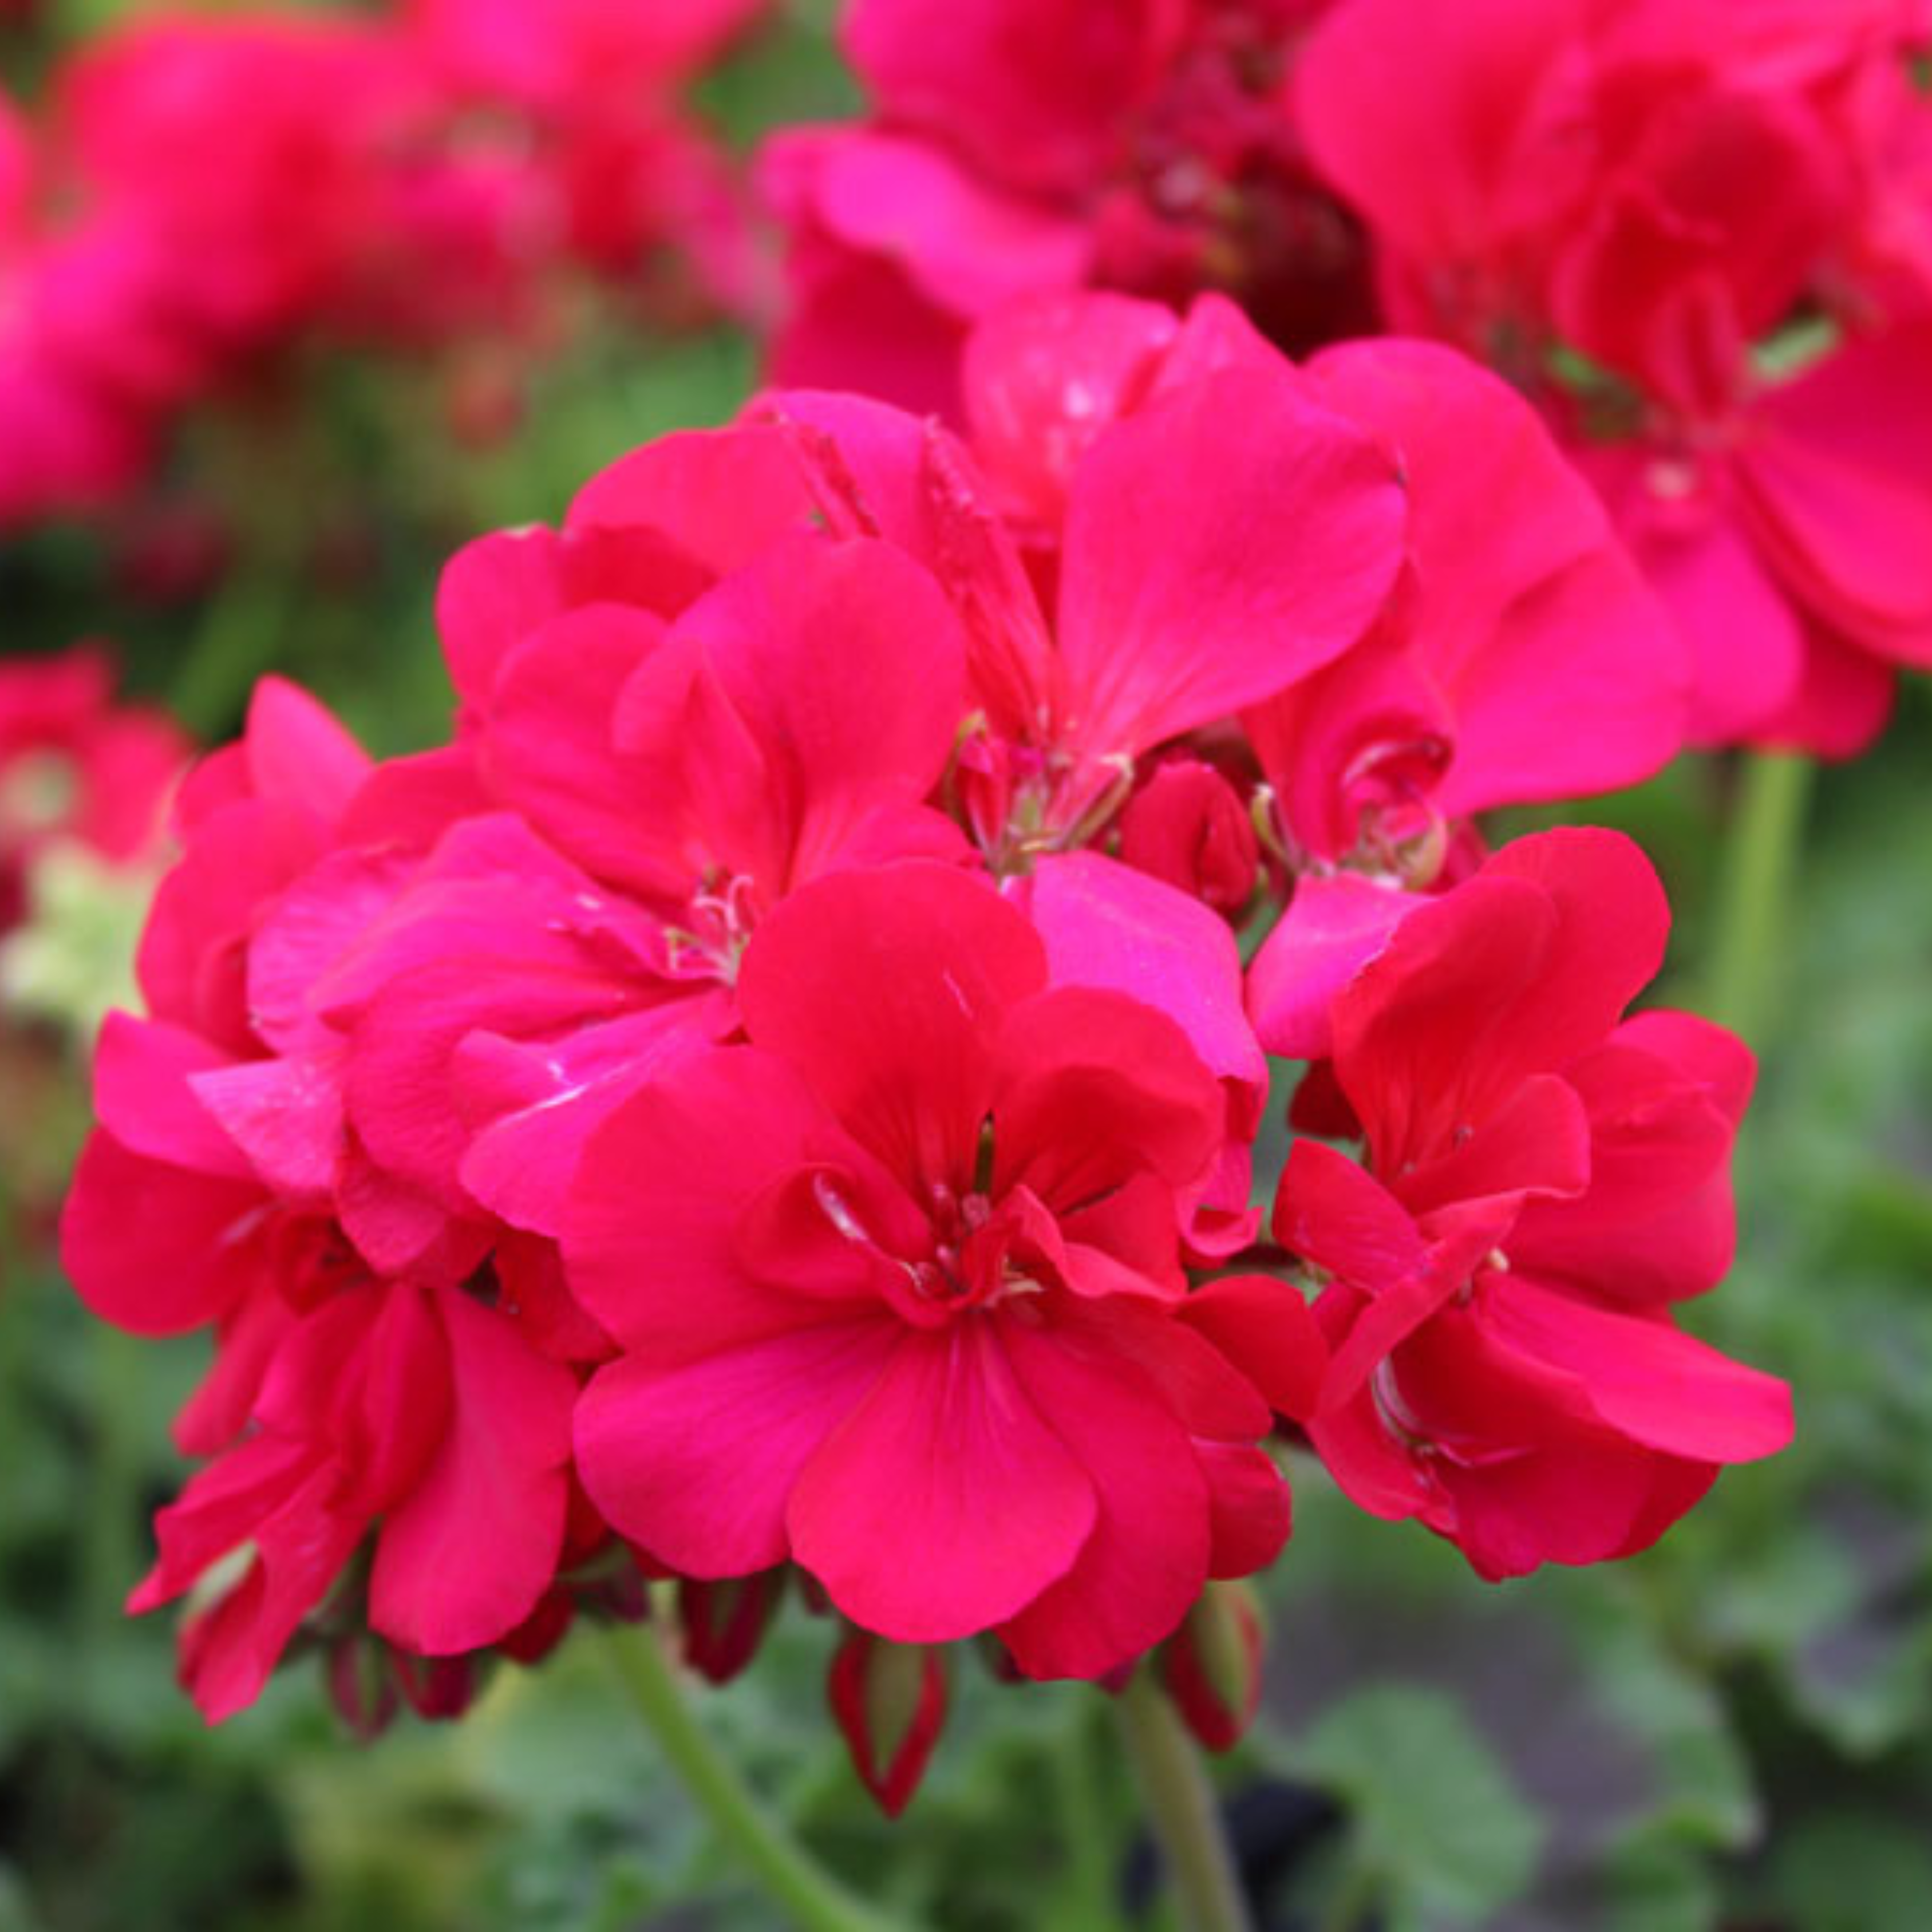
(1181, 1808)
(1754, 896)
(812, 1899)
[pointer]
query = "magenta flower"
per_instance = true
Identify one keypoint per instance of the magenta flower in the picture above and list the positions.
(922, 1236)
(1541, 1181)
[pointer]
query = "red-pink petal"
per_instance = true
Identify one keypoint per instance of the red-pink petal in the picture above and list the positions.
(943, 1504)
(697, 1464)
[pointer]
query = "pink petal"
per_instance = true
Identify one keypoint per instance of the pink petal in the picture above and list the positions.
(963, 243)
(697, 1464)
(886, 989)
(664, 1195)
(1044, 377)
(467, 1554)
(156, 1249)
(943, 1503)
(1146, 1557)
(1268, 1331)
(1227, 539)
(286, 1117)
(1106, 925)
(144, 1094)
(847, 665)
(1092, 1087)
(724, 496)
(1334, 925)
(1836, 488)
(1647, 1380)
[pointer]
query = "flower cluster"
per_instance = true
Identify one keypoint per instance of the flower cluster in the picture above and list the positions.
(1704, 233)
(1034, 146)
(774, 1097)
(199, 190)
(1698, 235)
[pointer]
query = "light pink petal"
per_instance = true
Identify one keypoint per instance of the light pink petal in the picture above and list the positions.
(1105, 925)
(1334, 925)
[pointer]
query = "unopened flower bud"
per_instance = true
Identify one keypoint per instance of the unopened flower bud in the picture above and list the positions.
(438, 1686)
(1212, 1665)
(889, 1700)
(360, 1686)
(725, 1621)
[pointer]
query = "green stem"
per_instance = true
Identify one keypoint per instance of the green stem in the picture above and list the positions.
(812, 1899)
(1181, 1808)
(1088, 1886)
(1754, 896)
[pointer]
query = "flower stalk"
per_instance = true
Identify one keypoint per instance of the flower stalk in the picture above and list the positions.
(1754, 895)
(811, 1898)
(1182, 1810)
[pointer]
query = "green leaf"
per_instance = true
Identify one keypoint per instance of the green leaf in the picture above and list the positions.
(1436, 1815)
(1850, 1872)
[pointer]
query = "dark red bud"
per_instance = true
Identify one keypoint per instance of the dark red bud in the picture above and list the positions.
(543, 1630)
(724, 1622)
(1212, 1665)
(360, 1686)
(889, 1700)
(438, 1686)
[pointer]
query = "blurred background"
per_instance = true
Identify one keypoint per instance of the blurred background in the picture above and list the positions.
(1733, 1731)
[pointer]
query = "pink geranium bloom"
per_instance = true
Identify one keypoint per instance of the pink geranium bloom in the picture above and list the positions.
(1515, 609)
(417, 1412)
(75, 765)
(658, 718)
(922, 1235)
(1664, 190)
(1022, 149)
(1542, 1180)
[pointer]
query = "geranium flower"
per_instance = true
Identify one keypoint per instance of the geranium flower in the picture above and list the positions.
(1542, 1179)
(898, 1294)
